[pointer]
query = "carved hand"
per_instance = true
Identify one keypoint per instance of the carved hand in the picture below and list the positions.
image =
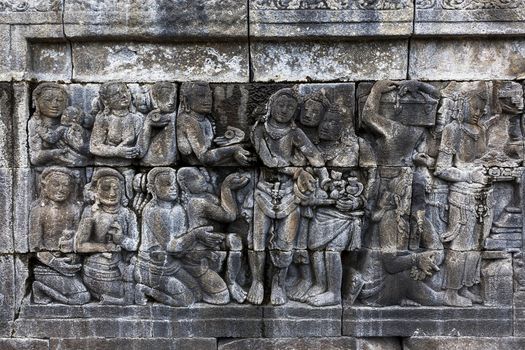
(384, 86)
(425, 262)
(207, 237)
(63, 265)
(236, 181)
(345, 204)
(242, 156)
(127, 152)
(478, 176)
(305, 182)
(115, 230)
(411, 86)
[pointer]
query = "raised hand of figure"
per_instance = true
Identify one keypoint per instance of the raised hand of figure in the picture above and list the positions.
(232, 136)
(127, 152)
(409, 86)
(242, 156)
(207, 237)
(236, 181)
(345, 204)
(66, 242)
(305, 182)
(64, 265)
(426, 263)
(115, 230)
(384, 86)
(478, 176)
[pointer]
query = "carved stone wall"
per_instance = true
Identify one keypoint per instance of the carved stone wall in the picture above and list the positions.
(267, 174)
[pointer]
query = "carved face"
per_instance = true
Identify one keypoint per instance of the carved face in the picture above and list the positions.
(118, 97)
(201, 99)
(166, 186)
(312, 113)
(57, 187)
(71, 116)
(476, 108)
(141, 102)
(198, 183)
(283, 109)
(51, 103)
(331, 127)
(109, 191)
(166, 99)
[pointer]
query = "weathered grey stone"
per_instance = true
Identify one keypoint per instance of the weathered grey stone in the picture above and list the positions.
(23, 196)
(318, 18)
(453, 343)
(335, 343)
(298, 320)
(183, 19)
(5, 50)
(50, 61)
(133, 343)
(322, 61)
(405, 321)
(31, 12)
(6, 210)
(466, 59)
(23, 344)
(519, 313)
(444, 17)
(152, 320)
(19, 118)
(20, 55)
(226, 61)
(7, 290)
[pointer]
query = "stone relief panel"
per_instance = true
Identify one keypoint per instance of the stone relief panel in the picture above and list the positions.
(389, 193)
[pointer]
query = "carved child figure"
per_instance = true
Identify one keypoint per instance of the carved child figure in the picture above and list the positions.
(207, 213)
(53, 220)
(76, 135)
(196, 131)
(159, 274)
(107, 231)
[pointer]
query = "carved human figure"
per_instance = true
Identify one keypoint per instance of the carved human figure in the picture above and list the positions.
(202, 243)
(108, 233)
(394, 140)
(470, 199)
(53, 220)
(196, 137)
(335, 227)
(48, 138)
(76, 135)
(119, 136)
(283, 148)
(393, 275)
(162, 148)
(159, 272)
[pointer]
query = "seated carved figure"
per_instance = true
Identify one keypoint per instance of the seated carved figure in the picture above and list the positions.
(48, 137)
(53, 220)
(107, 233)
(196, 139)
(200, 247)
(159, 274)
(119, 136)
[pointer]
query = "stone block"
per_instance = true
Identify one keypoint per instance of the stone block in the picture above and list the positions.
(467, 59)
(6, 124)
(457, 343)
(23, 197)
(321, 18)
(6, 210)
(7, 291)
(519, 313)
(23, 36)
(186, 19)
(360, 321)
(477, 17)
(152, 320)
(129, 343)
(24, 344)
(50, 61)
(300, 320)
(216, 62)
(329, 61)
(5, 51)
(19, 117)
(335, 343)
(31, 12)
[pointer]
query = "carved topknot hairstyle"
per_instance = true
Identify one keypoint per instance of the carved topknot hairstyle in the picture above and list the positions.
(288, 92)
(47, 86)
(56, 169)
(152, 176)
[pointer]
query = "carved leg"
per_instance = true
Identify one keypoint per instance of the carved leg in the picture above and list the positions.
(334, 275)
(256, 260)
(43, 294)
(281, 260)
(233, 266)
(320, 274)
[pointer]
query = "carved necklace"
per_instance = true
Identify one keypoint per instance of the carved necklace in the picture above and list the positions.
(276, 132)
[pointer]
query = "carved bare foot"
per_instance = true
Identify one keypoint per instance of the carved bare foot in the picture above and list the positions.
(476, 299)
(237, 293)
(409, 302)
(298, 290)
(278, 295)
(316, 289)
(452, 298)
(39, 297)
(109, 300)
(256, 293)
(325, 299)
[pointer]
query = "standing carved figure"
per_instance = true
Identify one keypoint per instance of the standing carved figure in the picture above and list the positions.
(196, 137)
(202, 243)
(49, 140)
(470, 199)
(281, 145)
(159, 274)
(53, 220)
(108, 233)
